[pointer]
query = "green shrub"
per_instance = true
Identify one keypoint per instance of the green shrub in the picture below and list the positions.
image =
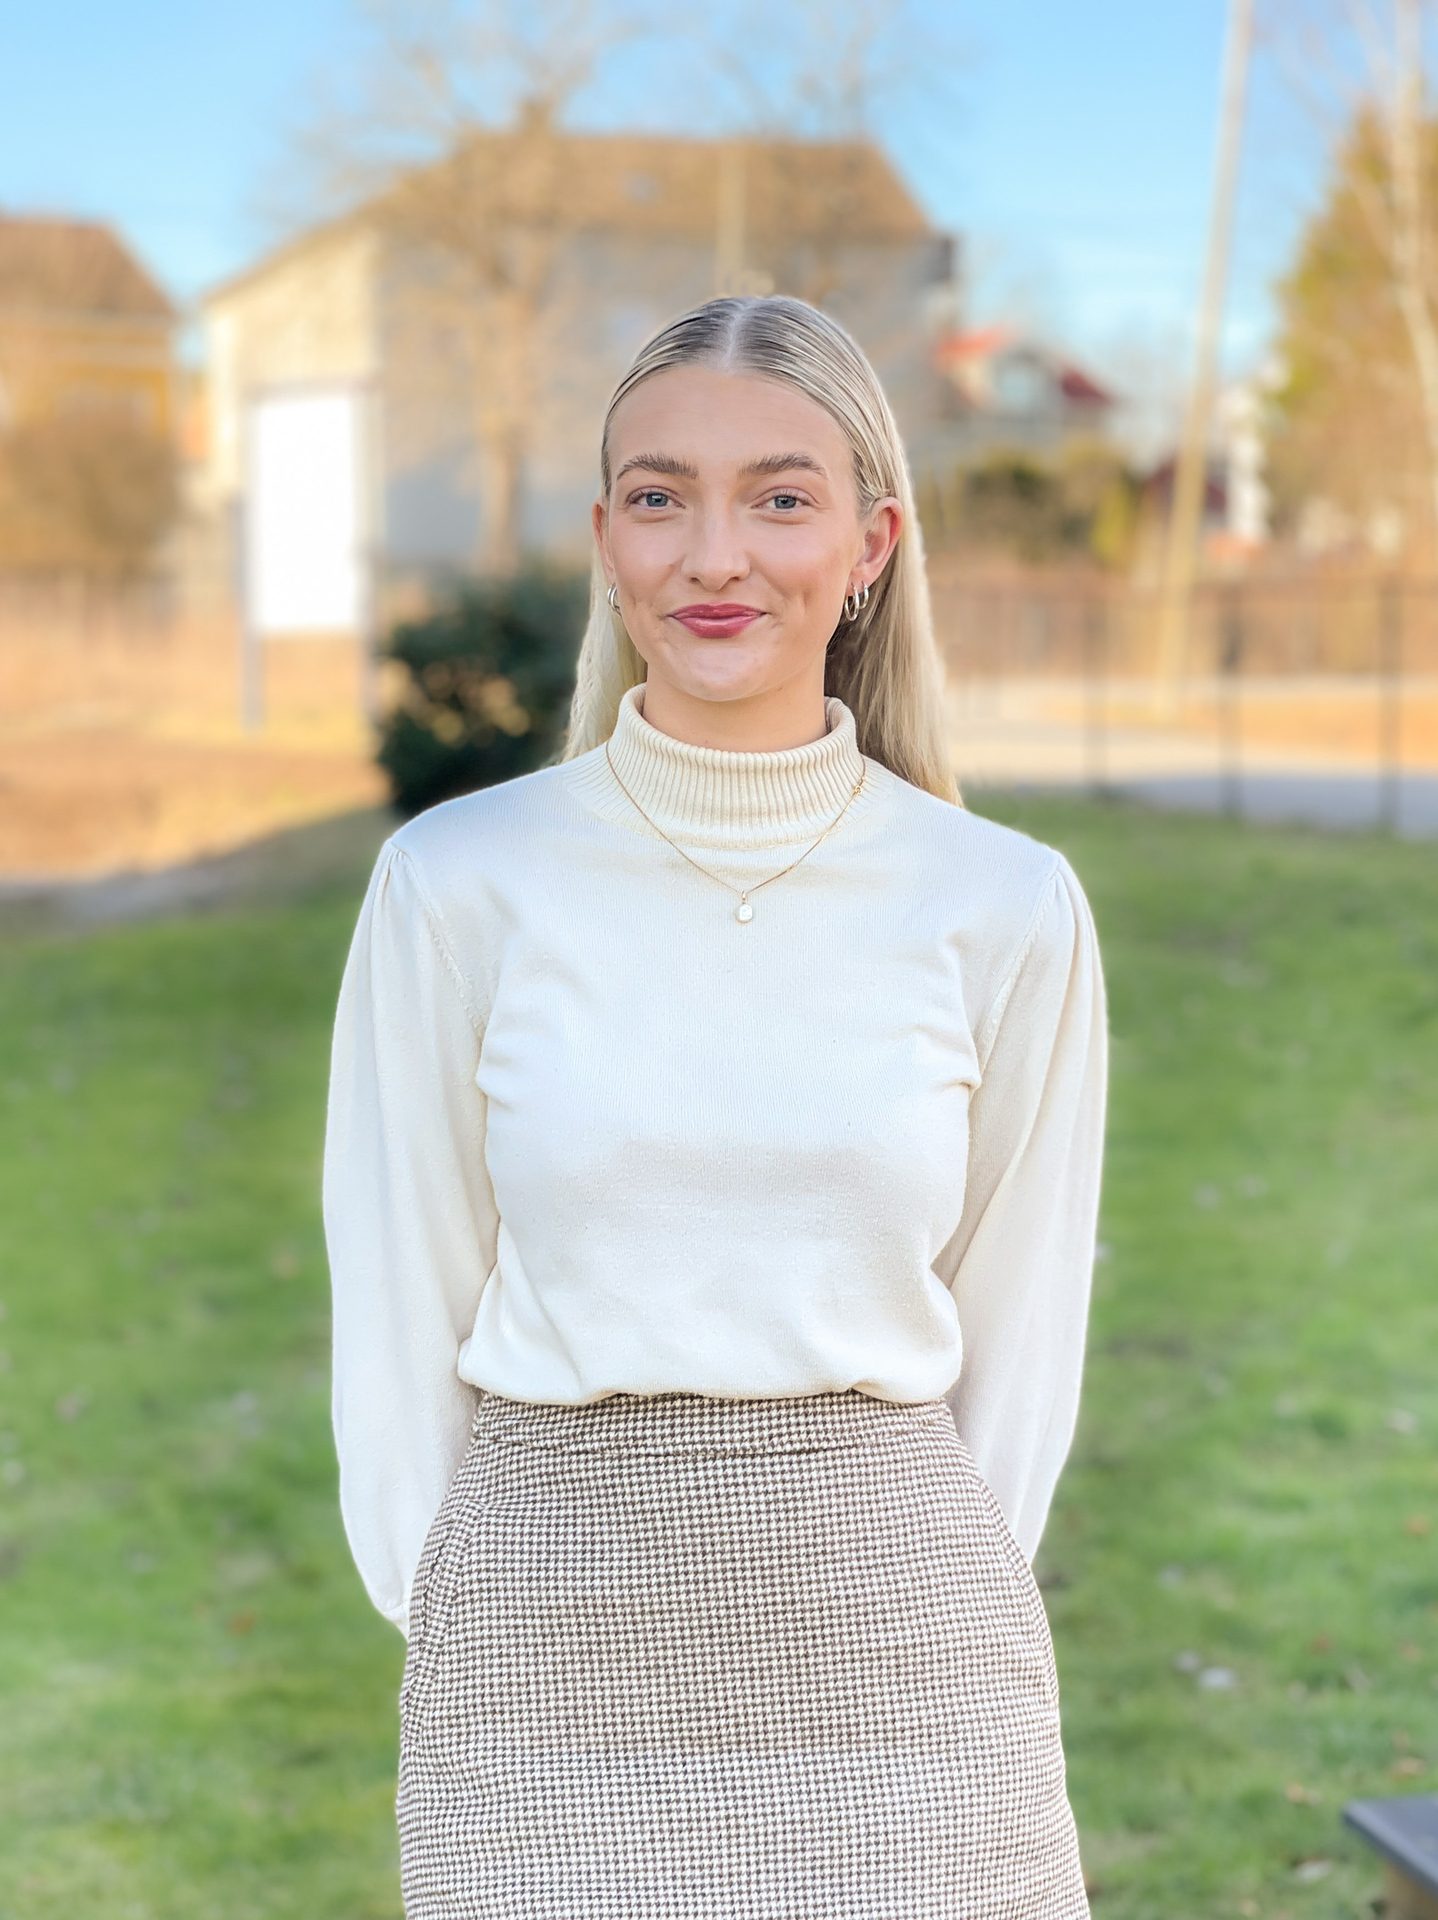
(487, 681)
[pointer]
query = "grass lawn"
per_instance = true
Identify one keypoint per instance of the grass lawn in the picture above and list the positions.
(1241, 1566)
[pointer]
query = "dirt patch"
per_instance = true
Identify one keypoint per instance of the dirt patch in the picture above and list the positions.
(82, 802)
(277, 867)
(123, 748)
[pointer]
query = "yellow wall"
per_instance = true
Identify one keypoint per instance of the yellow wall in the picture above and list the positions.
(49, 366)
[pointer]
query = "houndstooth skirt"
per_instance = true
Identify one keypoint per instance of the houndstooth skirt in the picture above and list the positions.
(706, 1659)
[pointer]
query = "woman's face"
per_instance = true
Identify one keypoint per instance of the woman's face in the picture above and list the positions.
(688, 523)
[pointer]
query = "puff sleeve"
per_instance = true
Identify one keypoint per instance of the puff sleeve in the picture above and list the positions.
(409, 1221)
(1020, 1263)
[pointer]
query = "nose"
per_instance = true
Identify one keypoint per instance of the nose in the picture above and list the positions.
(716, 553)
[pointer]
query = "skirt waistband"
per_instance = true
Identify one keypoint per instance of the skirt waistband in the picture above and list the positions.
(682, 1422)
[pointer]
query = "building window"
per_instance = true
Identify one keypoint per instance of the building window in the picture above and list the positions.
(1020, 385)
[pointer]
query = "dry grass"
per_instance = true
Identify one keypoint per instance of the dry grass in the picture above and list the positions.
(122, 751)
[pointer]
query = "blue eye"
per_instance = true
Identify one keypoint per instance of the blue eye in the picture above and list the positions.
(661, 493)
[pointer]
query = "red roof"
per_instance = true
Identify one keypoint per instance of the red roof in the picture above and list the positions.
(983, 342)
(1077, 385)
(974, 345)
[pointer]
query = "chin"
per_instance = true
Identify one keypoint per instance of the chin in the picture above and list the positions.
(714, 669)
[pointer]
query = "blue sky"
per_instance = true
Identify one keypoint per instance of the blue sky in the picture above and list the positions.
(1072, 148)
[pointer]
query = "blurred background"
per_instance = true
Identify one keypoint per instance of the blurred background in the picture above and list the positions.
(308, 318)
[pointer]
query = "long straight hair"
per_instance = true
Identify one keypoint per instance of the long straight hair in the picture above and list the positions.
(884, 665)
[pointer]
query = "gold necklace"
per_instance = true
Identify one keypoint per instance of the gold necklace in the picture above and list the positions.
(743, 911)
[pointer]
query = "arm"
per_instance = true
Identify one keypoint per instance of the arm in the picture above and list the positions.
(410, 1225)
(1020, 1264)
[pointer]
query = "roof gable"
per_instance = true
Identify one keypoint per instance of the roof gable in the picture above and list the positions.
(655, 186)
(74, 267)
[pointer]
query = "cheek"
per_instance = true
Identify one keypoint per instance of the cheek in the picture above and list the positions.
(818, 567)
(805, 562)
(639, 551)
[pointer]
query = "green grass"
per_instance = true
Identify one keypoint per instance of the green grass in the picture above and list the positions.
(198, 1700)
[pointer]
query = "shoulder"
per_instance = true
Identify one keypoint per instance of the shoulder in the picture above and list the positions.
(456, 843)
(998, 879)
(1006, 902)
(466, 862)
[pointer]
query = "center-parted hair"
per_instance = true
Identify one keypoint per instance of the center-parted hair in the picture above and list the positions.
(885, 665)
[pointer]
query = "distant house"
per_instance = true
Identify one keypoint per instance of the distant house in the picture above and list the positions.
(1158, 484)
(1233, 516)
(1239, 418)
(83, 326)
(1001, 388)
(650, 225)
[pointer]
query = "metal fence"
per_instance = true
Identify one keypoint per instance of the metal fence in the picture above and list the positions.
(1063, 667)
(1065, 623)
(1277, 673)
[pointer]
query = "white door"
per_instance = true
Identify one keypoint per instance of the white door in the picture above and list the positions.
(306, 518)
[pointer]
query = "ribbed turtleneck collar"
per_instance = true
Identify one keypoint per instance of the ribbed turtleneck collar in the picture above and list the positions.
(726, 797)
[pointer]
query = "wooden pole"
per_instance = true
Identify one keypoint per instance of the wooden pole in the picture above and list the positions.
(1191, 474)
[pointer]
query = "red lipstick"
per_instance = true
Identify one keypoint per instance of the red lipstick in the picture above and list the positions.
(712, 620)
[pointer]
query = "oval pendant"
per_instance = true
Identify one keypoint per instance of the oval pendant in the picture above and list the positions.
(744, 911)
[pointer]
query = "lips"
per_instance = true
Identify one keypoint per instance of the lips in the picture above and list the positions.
(715, 609)
(713, 621)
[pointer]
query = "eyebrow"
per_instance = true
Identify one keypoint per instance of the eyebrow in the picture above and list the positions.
(685, 470)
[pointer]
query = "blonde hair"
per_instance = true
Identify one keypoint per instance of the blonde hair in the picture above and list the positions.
(885, 665)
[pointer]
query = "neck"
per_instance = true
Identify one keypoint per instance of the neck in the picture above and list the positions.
(717, 797)
(769, 722)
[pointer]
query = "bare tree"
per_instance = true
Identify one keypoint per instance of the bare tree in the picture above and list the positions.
(808, 89)
(453, 154)
(452, 149)
(91, 491)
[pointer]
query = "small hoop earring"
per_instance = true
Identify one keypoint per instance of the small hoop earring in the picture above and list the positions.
(855, 603)
(613, 595)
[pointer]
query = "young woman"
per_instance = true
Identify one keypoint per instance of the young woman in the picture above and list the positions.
(711, 1183)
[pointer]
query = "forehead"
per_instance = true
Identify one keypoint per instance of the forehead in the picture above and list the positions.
(717, 422)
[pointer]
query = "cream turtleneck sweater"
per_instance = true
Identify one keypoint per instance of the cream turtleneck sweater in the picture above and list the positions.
(588, 1132)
